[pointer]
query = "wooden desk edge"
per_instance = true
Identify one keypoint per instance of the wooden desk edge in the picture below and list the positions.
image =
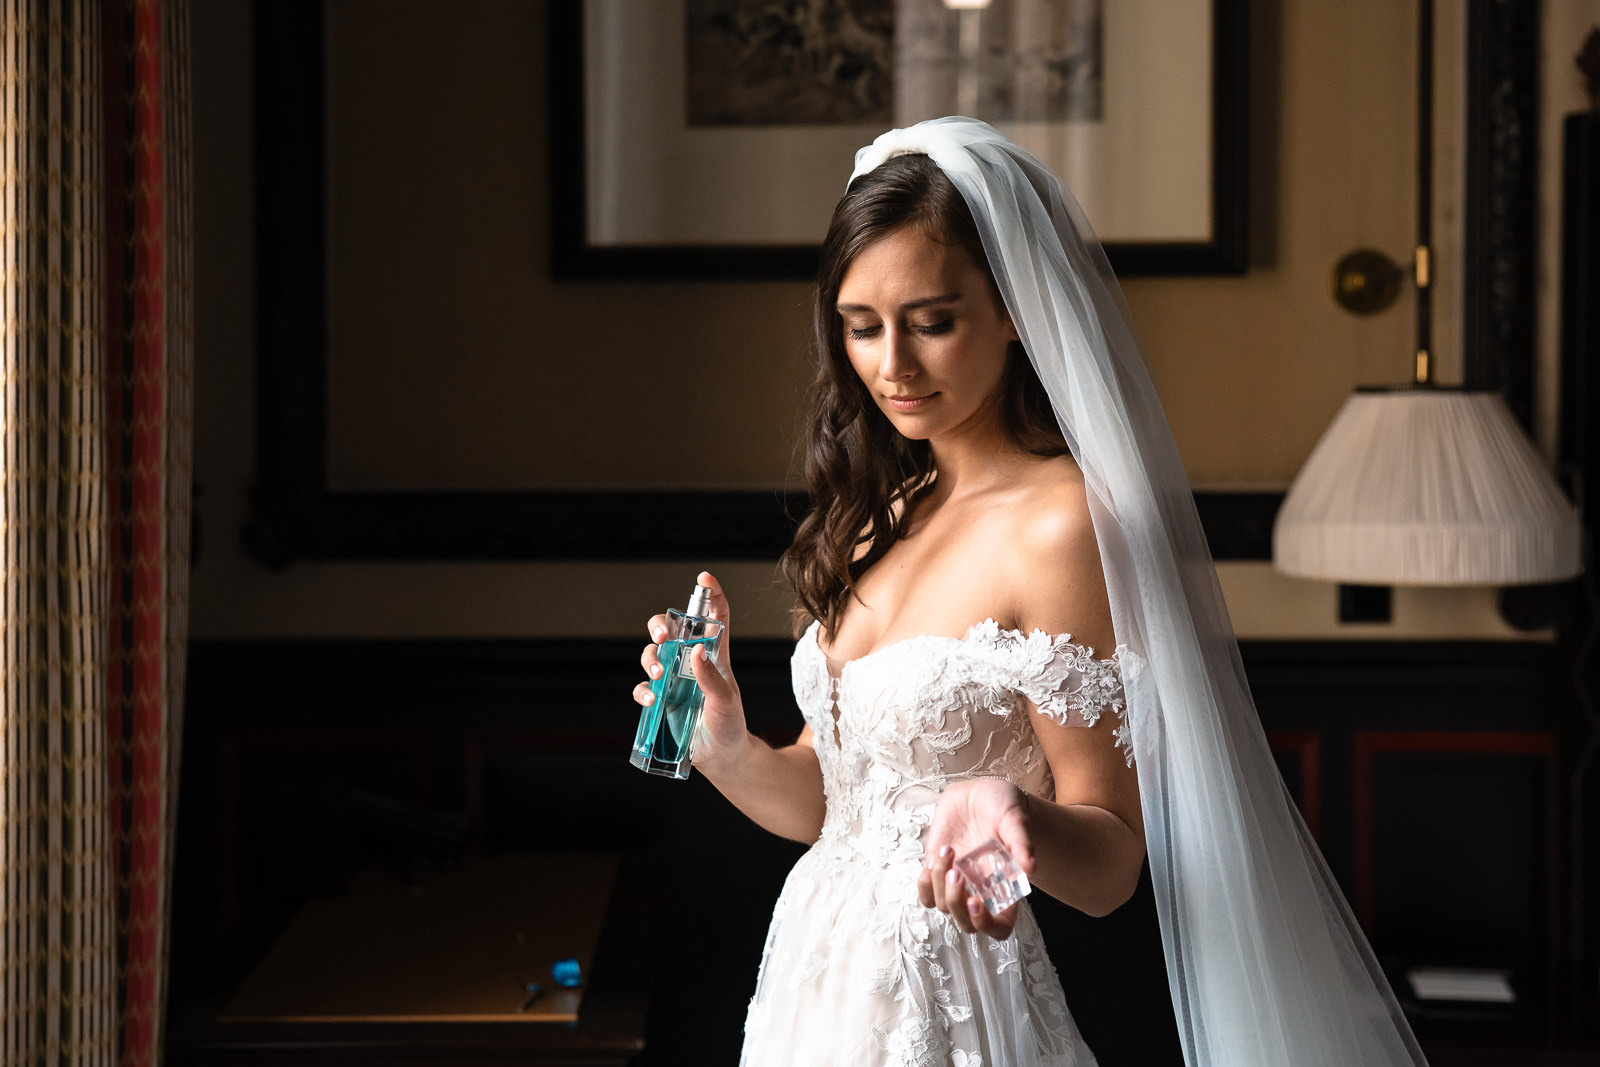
(610, 1026)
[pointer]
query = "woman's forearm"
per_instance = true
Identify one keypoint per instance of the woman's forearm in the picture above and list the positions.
(781, 789)
(1083, 855)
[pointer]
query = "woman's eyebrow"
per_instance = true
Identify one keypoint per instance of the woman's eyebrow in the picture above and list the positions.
(920, 302)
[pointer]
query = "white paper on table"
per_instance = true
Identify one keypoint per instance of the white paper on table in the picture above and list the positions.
(1461, 983)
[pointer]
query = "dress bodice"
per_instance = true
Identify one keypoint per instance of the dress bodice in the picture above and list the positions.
(898, 983)
(893, 727)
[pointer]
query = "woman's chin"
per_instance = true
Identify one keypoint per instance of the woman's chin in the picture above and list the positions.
(918, 425)
(911, 429)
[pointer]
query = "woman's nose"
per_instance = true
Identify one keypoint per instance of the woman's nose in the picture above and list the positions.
(897, 362)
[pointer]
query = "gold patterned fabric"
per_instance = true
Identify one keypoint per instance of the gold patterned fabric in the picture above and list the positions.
(95, 458)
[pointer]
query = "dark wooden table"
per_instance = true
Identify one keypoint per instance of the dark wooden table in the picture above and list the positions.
(436, 972)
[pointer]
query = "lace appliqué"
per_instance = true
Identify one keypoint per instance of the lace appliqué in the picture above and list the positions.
(1063, 679)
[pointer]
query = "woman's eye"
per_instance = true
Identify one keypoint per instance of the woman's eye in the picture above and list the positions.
(861, 333)
(943, 326)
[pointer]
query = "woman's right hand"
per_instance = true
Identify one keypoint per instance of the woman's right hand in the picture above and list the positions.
(722, 733)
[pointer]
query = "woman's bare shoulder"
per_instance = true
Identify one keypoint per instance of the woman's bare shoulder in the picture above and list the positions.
(1054, 568)
(1051, 513)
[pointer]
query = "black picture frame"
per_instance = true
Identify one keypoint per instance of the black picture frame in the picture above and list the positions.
(297, 515)
(573, 258)
(1499, 272)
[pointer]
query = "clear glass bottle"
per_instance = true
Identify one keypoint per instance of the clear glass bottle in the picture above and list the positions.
(993, 876)
(665, 739)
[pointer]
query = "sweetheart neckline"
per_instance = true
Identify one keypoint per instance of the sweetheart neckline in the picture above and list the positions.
(983, 624)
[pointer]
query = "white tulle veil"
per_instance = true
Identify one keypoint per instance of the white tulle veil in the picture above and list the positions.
(1264, 959)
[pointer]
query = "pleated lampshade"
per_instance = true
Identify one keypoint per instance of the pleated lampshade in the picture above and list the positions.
(1426, 486)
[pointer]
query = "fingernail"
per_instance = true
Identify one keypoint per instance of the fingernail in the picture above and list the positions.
(649, 698)
(973, 905)
(658, 633)
(655, 670)
(953, 877)
(944, 850)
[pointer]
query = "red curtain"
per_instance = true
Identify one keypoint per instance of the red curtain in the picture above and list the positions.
(148, 485)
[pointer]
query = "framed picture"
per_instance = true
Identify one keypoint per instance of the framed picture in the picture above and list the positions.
(711, 138)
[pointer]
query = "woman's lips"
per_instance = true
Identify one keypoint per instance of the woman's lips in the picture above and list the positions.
(910, 403)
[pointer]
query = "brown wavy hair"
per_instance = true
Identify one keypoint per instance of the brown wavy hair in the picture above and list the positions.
(865, 478)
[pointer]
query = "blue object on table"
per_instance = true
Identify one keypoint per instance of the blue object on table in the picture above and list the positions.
(533, 990)
(566, 973)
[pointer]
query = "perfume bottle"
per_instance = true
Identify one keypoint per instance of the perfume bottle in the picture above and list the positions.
(665, 739)
(993, 876)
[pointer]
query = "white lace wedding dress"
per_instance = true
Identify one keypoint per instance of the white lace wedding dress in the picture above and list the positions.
(856, 971)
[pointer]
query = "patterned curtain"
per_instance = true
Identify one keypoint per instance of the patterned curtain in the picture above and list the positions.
(95, 383)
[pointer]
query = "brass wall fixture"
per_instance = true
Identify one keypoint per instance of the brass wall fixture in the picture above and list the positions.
(1366, 281)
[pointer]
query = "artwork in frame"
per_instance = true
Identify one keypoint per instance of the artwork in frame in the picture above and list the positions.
(711, 138)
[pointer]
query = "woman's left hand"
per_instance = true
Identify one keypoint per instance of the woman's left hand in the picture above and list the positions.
(969, 813)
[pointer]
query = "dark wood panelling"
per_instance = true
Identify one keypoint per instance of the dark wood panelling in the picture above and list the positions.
(1580, 465)
(326, 753)
(1299, 756)
(284, 810)
(1336, 690)
(1432, 751)
(1580, 300)
(1460, 831)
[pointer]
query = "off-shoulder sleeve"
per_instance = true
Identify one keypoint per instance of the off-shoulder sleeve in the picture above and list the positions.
(1066, 682)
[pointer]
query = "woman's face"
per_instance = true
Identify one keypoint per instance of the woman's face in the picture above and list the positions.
(925, 333)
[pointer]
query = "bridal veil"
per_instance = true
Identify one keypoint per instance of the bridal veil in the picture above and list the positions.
(1265, 961)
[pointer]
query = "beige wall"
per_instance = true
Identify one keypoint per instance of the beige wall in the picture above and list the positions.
(454, 360)
(443, 307)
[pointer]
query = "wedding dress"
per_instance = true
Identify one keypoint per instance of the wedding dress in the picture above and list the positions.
(856, 970)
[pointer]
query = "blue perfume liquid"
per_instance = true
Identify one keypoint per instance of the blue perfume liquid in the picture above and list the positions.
(665, 737)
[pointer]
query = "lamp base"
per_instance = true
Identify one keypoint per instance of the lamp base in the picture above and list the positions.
(1366, 603)
(1531, 607)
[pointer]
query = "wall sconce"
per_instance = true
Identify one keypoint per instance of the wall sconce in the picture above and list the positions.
(1366, 281)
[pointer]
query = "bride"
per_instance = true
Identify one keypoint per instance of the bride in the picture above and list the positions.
(1015, 633)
